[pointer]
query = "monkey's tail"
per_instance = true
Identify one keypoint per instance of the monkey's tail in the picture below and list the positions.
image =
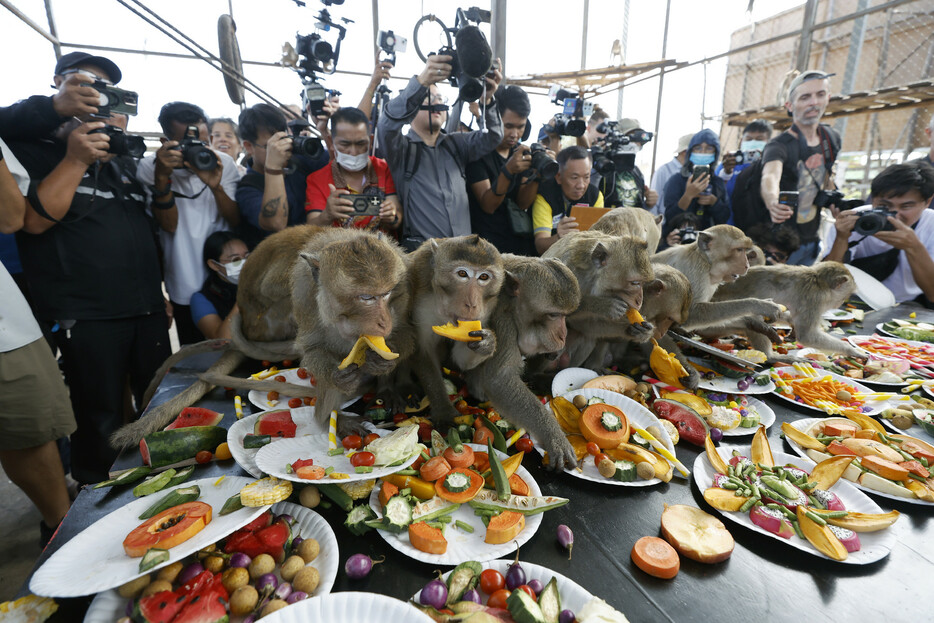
(160, 416)
(268, 351)
(221, 379)
(183, 353)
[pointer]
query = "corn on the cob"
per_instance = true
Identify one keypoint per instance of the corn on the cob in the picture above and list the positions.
(265, 491)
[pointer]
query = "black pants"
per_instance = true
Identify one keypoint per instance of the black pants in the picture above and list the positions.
(188, 332)
(100, 356)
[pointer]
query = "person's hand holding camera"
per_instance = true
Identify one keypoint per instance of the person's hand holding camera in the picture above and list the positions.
(278, 151)
(493, 78)
(520, 161)
(695, 186)
(673, 238)
(844, 222)
(902, 237)
(85, 147)
(707, 199)
(168, 158)
(75, 97)
(729, 163)
(211, 178)
(651, 197)
(437, 69)
(381, 71)
(389, 211)
(331, 105)
(339, 206)
(566, 225)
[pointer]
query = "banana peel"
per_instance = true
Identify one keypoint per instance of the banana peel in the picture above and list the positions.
(716, 461)
(760, 451)
(567, 414)
(358, 353)
(821, 537)
(828, 472)
(461, 332)
(724, 500)
(802, 439)
(861, 522)
(579, 443)
(666, 366)
(920, 490)
(865, 421)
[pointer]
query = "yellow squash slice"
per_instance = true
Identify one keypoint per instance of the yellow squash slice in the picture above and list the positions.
(461, 332)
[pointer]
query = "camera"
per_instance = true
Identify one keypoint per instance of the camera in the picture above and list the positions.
(570, 121)
(304, 145)
(788, 198)
(390, 43)
(688, 235)
(367, 203)
(872, 221)
(827, 198)
(614, 153)
(112, 99)
(543, 166)
(641, 137)
(746, 157)
(314, 96)
(315, 53)
(121, 143)
(195, 151)
(470, 52)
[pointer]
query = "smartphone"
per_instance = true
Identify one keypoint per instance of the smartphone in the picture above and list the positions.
(700, 170)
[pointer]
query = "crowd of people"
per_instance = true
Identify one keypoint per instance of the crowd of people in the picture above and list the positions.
(99, 234)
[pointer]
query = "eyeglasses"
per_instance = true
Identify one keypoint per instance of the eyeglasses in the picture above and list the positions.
(234, 258)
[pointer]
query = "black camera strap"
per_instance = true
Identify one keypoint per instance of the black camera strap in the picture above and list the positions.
(179, 195)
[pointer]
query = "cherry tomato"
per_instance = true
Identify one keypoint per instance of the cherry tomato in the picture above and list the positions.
(524, 445)
(528, 590)
(498, 599)
(352, 442)
(309, 401)
(286, 363)
(302, 373)
(424, 431)
(267, 364)
(491, 581)
(295, 402)
(398, 417)
(203, 457)
(370, 439)
(362, 459)
(279, 378)
(272, 396)
(593, 449)
(599, 457)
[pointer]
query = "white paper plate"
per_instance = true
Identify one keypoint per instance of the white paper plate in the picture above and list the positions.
(873, 545)
(721, 383)
(571, 378)
(838, 314)
(804, 425)
(463, 546)
(94, 560)
(880, 328)
(914, 431)
(766, 418)
(871, 290)
(637, 414)
(273, 458)
(926, 346)
(109, 606)
(875, 406)
(258, 398)
(305, 424)
(349, 607)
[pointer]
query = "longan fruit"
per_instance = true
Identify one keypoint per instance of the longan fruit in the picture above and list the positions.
(306, 580)
(308, 550)
(292, 565)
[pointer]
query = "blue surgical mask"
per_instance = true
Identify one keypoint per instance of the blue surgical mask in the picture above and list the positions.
(752, 145)
(702, 158)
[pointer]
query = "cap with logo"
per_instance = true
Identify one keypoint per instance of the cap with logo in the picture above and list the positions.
(73, 59)
(811, 74)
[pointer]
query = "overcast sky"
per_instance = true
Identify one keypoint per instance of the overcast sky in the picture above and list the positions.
(542, 36)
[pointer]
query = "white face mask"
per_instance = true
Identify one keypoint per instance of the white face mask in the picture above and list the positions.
(352, 163)
(233, 270)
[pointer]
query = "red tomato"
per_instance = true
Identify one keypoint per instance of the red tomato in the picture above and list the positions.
(295, 402)
(352, 442)
(498, 599)
(370, 439)
(203, 457)
(362, 459)
(424, 431)
(302, 373)
(528, 590)
(267, 364)
(593, 449)
(482, 435)
(491, 581)
(524, 445)
(286, 363)
(279, 378)
(599, 457)
(272, 396)
(398, 417)
(309, 401)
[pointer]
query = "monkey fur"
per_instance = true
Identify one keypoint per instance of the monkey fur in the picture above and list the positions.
(634, 222)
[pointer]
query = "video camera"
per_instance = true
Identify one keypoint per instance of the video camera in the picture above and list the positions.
(745, 157)
(613, 154)
(470, 52)
(112, 99)
(317, 55)
(570, 121)
(121, 143)
(195, 151)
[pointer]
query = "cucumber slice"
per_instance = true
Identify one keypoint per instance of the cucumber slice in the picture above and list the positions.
(256, 441)
(181, 476)
(625, 471)
(464, 577)
(154, 483)
(456, 482)
(550, 602)
(125, 478)
(610, 421)
(357, 518)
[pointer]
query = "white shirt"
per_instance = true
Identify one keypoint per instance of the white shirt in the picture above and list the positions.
(662, 174)
(198, 218)
(901, 282)
(18, 327)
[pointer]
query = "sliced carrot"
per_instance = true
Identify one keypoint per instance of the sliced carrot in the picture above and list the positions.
(504, 527)
(464, 458)
(482, 434)
(481, 461)
(426, 539)
(475, 483)
(434, 468)
(518, 486)
(310, 472)
(836, 448)
(838, 429)
(656, 557)
(386, 491)
(916, 450)
(884, 467)
(592, 426)
(915, 468)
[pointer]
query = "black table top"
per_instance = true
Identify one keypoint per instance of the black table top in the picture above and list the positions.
(764, 579)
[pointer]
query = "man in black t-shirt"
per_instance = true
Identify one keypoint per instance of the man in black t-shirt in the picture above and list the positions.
(500, 191)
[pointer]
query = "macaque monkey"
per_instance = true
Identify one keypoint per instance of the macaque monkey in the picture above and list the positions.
(451, 279)
(529, 320)
(756, 256)
(634, 222)
(611, 271)
(807, 292)
(719, 255)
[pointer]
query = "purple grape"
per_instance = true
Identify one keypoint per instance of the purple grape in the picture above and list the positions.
(240, 560)
(296, 596)
(743, 385)
(435, 594)
(515, 576)
(536, 585)
(471, 595)
(189, 573)
(716, 435)
(566, 616)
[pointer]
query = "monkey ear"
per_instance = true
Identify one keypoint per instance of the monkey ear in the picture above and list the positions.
(838, 281)
(313, 263)
(703, 240)
(473, 239)
(658, 219)
(510, 284)
(654, 287)
(599, 255)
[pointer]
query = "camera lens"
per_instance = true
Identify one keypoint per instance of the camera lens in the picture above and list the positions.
(306, 145)
(869, 224)
(200, 157)
(576, 127)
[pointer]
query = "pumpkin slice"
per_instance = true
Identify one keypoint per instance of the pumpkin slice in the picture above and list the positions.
(358, 353)
(461, 332)
(883, 467)
(605, 425)
(426, 539)
(459, 485)
(504, 527)
(517, 486)
(169, 528)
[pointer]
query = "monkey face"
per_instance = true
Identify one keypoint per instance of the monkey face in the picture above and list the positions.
(366, 314)
(468, 292)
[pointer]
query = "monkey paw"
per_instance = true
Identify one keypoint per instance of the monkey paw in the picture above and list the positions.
(758, 326)
(561, 454)
(377, 366)
(641, 331)
(485, 345)
(348, 425)
(348, 380)
(769, 309)
(692, 379)
(617, 309)
(442, 414)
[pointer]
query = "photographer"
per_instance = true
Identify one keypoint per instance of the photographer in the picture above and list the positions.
(330, 191)
(667, 170)
(551, 212)
(684, 228)
(190, 201)
(271, 198)
(626, 186)
(429, 167)
(695, 190)
(755, 136)
(501, 191)
(900, 255)
(89, 255)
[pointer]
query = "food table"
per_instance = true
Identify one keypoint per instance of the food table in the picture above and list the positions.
(763, 579)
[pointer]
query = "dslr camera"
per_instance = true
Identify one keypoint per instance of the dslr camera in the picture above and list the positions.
(195, 151)
(368, 202)
(611, 155)
(688, 235)
(121, 143)
(827, 198)
(314, 96)
(543, 166)
(570, 121)
(871, 220)
(304, 145)
(746, 157)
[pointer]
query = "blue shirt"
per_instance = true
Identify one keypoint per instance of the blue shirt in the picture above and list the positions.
(201, 307)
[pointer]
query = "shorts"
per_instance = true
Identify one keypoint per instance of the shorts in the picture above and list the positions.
(34, 404)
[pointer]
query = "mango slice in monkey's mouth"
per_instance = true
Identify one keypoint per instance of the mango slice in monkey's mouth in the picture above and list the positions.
(358, 352)
(633, 316)
(460, 332)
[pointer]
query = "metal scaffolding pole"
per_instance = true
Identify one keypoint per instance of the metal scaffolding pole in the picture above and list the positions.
(498, 30)
(857, 36)
(807, 31)
(584, 34)
(624, 45)
(661, 86)
(52, 29)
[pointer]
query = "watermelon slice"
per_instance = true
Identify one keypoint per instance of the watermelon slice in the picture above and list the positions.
(690, 425)
(159, 608)
(196, 416)
(275, 424)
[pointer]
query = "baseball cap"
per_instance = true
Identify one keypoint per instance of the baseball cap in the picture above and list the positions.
(811, 74)
(73, 59)
(628, 125)
(683, 143)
